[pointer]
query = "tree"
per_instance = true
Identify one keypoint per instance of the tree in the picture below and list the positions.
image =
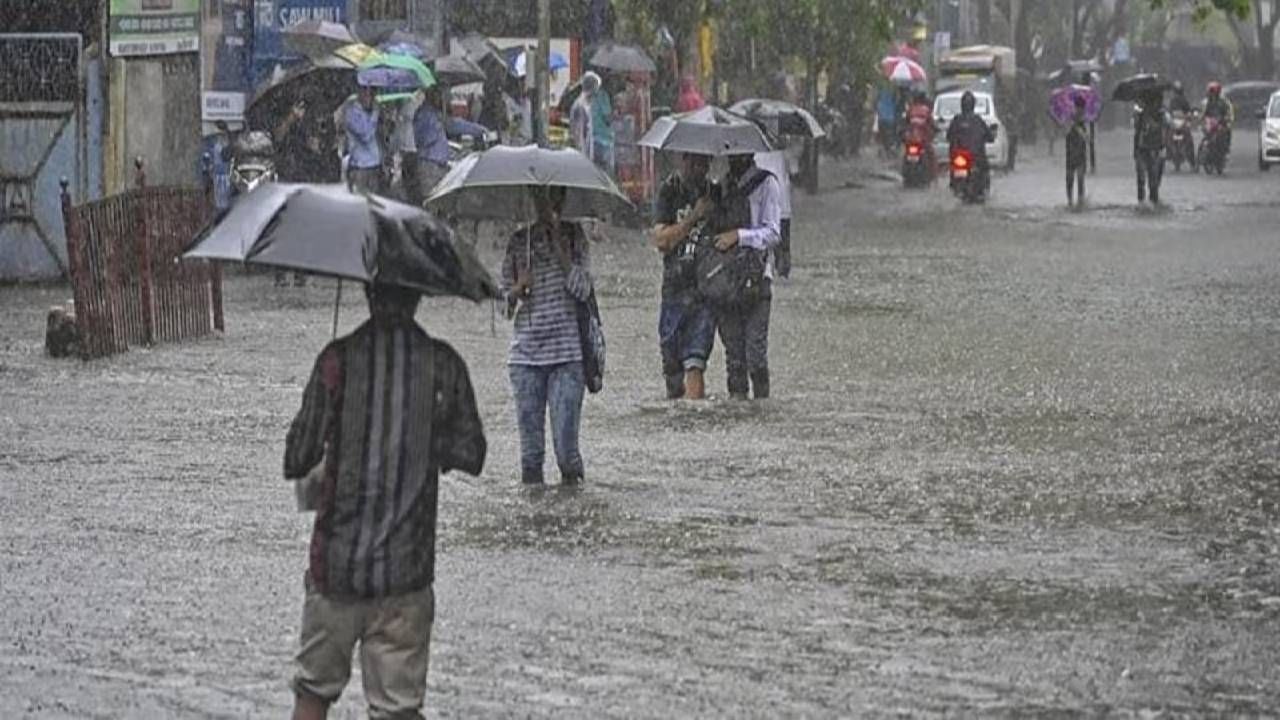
(1262, 59)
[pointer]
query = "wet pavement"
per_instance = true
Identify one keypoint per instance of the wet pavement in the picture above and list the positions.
(1021, 461)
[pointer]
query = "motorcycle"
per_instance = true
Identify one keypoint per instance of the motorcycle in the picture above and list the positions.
(1213, 146)
(252, 162)
(968, 181)
(917, 165)
(1181, 145)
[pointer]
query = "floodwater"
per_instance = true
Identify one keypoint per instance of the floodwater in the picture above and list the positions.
(1020, 461)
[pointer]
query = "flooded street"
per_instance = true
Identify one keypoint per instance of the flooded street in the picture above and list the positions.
(1019, 461)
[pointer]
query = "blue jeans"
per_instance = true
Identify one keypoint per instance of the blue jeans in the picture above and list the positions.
(560, 389)
(686, 332)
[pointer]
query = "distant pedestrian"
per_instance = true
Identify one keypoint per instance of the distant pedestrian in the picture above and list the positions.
(545, 274)
(749, 216)
(1077, 153)
(686, 326)
(364, 151)
(690, 99)
(580, 115)
(602, 130)
(1148, 145)
(431, 137)
(386, 410)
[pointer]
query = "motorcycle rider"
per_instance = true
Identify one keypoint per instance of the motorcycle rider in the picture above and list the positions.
(1179, 101)
(920, 126)
(1220, 108)
(1148, 144)
(968, 131)
(1182, 109)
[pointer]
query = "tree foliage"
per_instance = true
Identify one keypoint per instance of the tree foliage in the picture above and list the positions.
(1236, 8)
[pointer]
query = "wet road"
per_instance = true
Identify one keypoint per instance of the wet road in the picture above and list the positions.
(1021, 461)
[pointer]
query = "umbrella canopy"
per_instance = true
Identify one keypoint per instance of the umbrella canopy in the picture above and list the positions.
(906, 51)
(1072, 71)
(456, 70)
(483, 52)
(781, 118)
(322, 87)
(709, 131)
(409, 49)
(1062, 103)
(494, 184)
(622, 58)
(903, 70)
(394, 71)
(316, 38)
(1131, 89)
(326, 230)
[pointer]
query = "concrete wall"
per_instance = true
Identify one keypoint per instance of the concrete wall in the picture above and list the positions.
(155, 115)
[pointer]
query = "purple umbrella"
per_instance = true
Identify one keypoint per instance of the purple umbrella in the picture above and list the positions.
(1062, 103)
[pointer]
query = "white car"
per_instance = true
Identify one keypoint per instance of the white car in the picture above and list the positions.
(947, 106)
(1269, 134)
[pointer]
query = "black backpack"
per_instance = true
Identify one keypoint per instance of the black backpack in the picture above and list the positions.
(736, 276)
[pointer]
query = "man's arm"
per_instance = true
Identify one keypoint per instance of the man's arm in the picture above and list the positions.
(459, 434)
(456, 127)
(304, 445)
(767, 217)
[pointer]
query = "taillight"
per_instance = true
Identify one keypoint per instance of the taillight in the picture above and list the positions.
(914, 150)
(960, 162)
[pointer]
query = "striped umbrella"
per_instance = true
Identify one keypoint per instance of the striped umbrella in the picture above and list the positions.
(902, 70)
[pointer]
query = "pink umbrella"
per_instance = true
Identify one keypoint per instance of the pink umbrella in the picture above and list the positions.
(902, 70)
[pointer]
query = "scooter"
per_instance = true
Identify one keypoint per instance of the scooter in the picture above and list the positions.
(1213, 146)
(1181, 145)
(916, 164)
(968, 181)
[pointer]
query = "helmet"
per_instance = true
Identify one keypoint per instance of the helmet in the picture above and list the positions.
(967, 102)
(1214, 89)
(1177, 86)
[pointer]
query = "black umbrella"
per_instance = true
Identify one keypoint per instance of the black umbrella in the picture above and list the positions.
(780, 117)
(1131, 89)
(621, 58)
(456, 70)
(324, 85)
(316, 38)
(709, 131)
(326, 230)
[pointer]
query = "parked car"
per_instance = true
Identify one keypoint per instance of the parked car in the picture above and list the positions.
(1269, 133)
(947, 106)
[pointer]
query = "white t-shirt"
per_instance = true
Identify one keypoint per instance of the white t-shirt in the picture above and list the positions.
(776, 163)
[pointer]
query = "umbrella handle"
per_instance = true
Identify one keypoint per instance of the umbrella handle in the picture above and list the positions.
(337, 303)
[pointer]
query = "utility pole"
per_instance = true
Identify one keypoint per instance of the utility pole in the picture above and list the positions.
(544, 74)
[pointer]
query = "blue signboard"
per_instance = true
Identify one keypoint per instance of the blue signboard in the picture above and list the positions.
(271, 17)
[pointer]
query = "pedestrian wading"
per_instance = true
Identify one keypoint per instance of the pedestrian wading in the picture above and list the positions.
(386, 410)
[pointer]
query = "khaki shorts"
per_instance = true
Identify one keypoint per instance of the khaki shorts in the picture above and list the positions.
(394, 634)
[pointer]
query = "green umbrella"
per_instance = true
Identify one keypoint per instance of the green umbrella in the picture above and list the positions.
(384, 63)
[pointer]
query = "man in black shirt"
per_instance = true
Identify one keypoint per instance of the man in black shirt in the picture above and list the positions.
(686, 326)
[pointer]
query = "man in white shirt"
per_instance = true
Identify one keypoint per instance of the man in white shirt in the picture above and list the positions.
(749, 215)
(776, 162)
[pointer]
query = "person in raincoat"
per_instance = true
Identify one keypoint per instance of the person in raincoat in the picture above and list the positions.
(602, 129)
(690, 99)
(546, 273)
(580, 115)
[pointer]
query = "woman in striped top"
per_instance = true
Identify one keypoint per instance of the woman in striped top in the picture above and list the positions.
(545, 274)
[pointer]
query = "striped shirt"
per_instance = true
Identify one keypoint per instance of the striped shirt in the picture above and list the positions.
(546, 322)
(386, 410)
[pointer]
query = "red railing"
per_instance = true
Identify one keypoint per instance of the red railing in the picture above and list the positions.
(129, 286)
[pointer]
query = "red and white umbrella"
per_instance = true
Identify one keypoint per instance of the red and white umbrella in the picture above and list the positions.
(902, 70)
(908, 52)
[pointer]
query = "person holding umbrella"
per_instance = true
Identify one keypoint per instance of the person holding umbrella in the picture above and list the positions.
(546, 273)
(748, 218)
(686, 326)
(1077, 153)
(364, 151)
(386, 410)
(1149, 128)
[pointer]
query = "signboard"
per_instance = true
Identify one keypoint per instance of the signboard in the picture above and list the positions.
(228, 106)
(154, 27)
(941, 43)
(272, 17)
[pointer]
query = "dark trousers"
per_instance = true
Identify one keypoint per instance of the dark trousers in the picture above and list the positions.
(744, 333)
(411, 179)
(1075, 182)
(782, 255)
(1150, 167)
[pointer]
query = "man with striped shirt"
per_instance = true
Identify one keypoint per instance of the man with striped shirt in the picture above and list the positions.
(386, 410)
